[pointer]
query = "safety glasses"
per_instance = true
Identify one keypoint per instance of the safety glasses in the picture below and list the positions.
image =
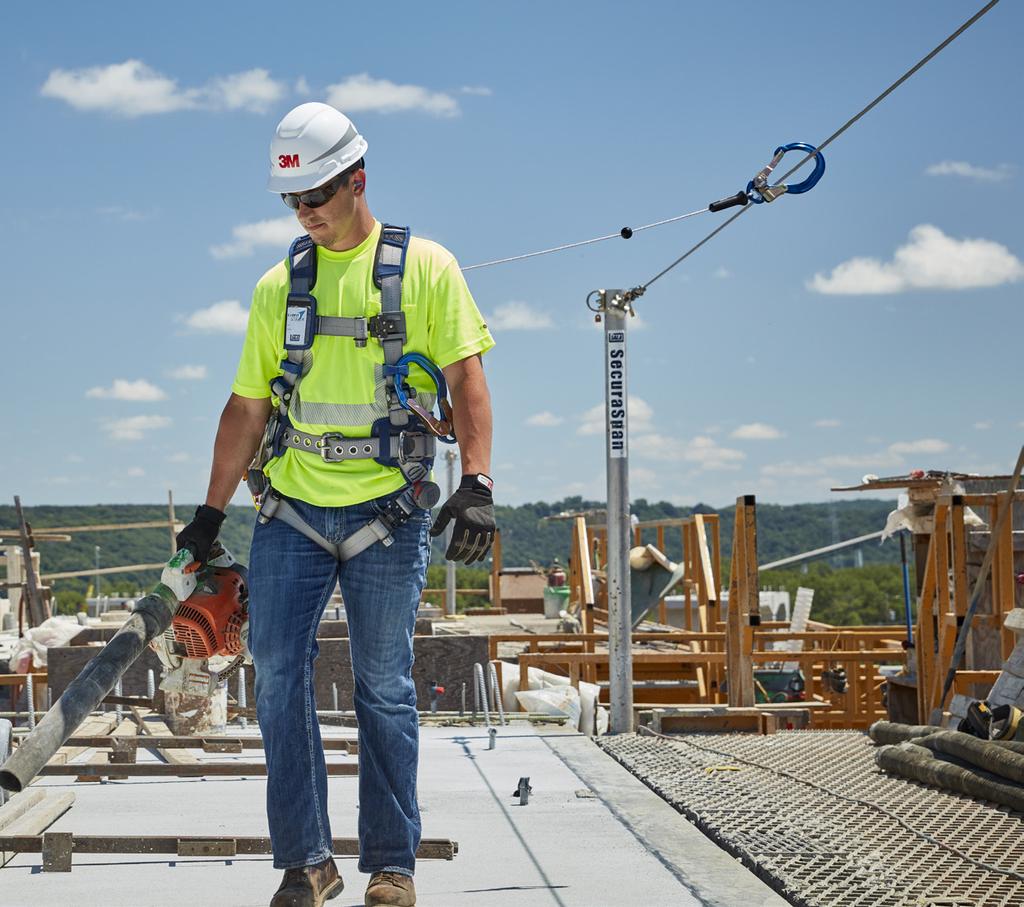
(315, 197)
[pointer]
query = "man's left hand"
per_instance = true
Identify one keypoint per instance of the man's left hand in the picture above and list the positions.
(472, 509)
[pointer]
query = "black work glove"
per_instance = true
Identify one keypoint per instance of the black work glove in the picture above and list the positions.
(199, 535)
(472, 508)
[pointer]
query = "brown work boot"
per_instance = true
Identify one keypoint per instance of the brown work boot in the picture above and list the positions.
(390, 889)
(309, 886)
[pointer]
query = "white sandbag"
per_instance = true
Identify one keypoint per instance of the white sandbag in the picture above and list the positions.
(30, 650)
(562, 701)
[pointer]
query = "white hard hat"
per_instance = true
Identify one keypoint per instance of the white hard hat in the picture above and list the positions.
(312, 144)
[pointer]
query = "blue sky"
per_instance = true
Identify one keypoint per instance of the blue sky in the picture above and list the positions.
(865, 327)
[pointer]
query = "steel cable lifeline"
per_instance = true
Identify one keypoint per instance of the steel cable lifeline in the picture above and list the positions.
(815, 151)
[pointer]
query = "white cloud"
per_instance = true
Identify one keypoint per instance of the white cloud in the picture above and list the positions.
(132, 89)
(982, 426)
(519, 316)
(544, 420)
(920, 446)
(827, 423)
(134, 427)
(756, 431)
(278, 231)
(188, 373)
(301, 85)
(931, 260)
(135, 472)
(362, 92)
(640, 417)
(252, 90)
(227, 317)
(129, 89)
(702, 450)
(480, 90)
(970, 171)
(140, 391)
(179, 457)
(722, 273)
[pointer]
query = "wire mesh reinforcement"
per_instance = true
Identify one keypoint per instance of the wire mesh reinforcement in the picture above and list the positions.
(816, 846)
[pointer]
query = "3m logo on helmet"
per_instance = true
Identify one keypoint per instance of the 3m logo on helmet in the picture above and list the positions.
(287, 160)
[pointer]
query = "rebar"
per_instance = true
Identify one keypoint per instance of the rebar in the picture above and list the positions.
(30, 691)
(496, 697)
(480, 692)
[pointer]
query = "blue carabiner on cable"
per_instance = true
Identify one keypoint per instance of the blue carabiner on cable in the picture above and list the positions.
(440, 425)
(758, 189)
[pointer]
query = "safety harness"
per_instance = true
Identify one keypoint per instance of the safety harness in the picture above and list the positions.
(404, 431)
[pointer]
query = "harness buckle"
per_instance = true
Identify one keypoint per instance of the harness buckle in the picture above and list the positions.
(328, 444)
(387, 326)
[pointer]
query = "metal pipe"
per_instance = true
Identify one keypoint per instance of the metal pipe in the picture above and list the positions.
(620, 619)
(334, 695)
(151, 615)
(907, 612)
(462, 707)
(151, 684)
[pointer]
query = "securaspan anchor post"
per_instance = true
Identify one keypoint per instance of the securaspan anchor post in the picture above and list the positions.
(614, 306)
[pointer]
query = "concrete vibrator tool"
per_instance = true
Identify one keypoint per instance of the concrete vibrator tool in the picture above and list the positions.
(195, 619)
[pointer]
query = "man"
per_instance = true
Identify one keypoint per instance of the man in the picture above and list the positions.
(339, 391)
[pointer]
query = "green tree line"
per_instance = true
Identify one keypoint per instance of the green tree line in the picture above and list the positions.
(527, 536)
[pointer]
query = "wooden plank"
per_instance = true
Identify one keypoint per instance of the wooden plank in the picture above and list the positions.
(38, 609)
(946, 637)
(152, 726)
(1007, 580)
(193, 770)
(19, 804)
(94, 725)
(964, 681)
(429, 848)
(925, 636)
(37, 818)
(104, 571)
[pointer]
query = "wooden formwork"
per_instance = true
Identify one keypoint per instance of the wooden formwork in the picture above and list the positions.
(946, 592)
(711, 660)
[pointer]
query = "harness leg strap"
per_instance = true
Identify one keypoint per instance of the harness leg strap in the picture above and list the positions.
(378, 529)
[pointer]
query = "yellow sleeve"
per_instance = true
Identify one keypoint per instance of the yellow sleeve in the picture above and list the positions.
(262, 350)
(456, 329)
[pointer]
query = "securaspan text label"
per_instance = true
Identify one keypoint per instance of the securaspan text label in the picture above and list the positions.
(616, 411)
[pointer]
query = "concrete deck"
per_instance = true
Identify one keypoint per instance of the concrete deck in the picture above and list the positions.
(591, 836)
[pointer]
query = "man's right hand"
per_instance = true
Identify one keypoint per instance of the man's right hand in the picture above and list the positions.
(199, 535)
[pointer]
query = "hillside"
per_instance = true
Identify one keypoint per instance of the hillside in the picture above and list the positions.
(526, 536)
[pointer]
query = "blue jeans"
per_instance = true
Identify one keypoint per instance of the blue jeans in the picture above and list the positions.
(290, 582)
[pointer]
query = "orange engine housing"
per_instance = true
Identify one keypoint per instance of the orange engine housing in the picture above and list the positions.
(209, 622)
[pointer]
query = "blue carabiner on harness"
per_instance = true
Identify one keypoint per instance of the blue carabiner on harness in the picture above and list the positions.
(758, 189)
(440, 425)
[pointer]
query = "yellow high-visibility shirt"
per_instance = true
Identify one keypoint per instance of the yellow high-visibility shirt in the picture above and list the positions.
(343, 391)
